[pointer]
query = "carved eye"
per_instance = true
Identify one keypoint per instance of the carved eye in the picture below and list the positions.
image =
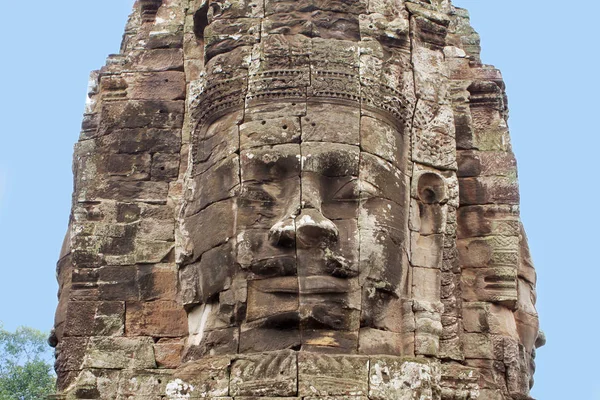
(256, 193)
(348, 191)
(368, 190)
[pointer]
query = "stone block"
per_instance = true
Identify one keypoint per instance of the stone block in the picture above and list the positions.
(332, 375)
(134, 114)
(141, 140)
(118, 283)
(267, 374)
(427, 344)
(209, 377)
(156, 223)
(380, 257)
(169, 85)
(70, 354)
(393, 378)
(270, 131)
(490, 131)
(376, 341)
(137, 191)
(92, 318)
(168, 353)
(481, 317)
(489, 251)
(331, 124)
(383, 310)
(486, 163)
(268, 298)
(204, 233)
(328, 302)
(492, 373)
(460, 382)
(156, 318)
(213, 343)
(426, 284)
(212, 274)
(217, 183)
(478, 345)
(493, 219)
(119, 352)
(223, 36)
(157, 282)
(141, 385)
(152, 251)
(380, 178)
(258, 338)
(165, 167)
(528, 327)
(160, 60)
(216, 142)
(484, 190)
(133, 167)
(272, 163)
(496, 285)
(328, 341)
(426, 251)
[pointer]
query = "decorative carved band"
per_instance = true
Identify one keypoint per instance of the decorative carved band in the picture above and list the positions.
(299, 84)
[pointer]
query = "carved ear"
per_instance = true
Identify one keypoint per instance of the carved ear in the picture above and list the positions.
(149, 8)
(430, 188)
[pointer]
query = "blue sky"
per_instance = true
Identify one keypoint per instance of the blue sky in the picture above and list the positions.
(548, 56)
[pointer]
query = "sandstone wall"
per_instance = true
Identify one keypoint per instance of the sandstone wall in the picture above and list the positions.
(162, 295)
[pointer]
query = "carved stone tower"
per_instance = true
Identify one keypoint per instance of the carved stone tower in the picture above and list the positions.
(296, 199)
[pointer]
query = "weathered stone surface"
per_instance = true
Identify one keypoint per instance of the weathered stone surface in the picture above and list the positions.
(92, 318)
(392, 378)
(376, 341)
(155, 318)
(203, 378)
(120, 353)
(267, 374)
(332, 375)
(289, 197)
(168, 353)
(148, 384)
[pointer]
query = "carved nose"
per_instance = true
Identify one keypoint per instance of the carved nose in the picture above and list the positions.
(283, 233)
(314, 230)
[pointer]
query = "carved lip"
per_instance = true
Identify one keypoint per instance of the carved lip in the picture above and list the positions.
(284, 265)
(330, 265)
(324, 284)
(500, 282)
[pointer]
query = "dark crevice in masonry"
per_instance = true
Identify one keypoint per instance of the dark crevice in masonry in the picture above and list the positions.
(201, 21)
(411, 129)
(360, 202)
(240, 188)
(299, 211)
(149, 9)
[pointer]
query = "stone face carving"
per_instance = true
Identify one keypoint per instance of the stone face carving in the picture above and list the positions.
(296, 199)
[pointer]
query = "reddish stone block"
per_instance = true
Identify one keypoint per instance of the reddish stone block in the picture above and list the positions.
(156, 319)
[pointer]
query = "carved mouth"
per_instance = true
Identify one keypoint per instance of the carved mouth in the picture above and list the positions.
(275, 266)
(331, 264)
(500, 282)
(324, 285)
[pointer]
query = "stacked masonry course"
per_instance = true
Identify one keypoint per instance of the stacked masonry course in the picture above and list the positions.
(296, 199)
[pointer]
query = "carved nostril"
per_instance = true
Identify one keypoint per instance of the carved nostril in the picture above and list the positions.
(314, 230)
(283, 234)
